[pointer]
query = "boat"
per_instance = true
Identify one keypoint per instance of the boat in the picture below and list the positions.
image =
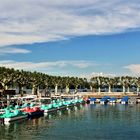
(87, 100)
(124, 100)
(2, 111)
(112, 100)
(29, 97)
(104, 100)
(60, 104)
(52, 108)
(10, 116)
(33, 112)
(79, 101)
(92, 100)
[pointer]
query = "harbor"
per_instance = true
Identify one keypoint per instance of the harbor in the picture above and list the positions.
(69, 70)
(88, 121)
(30, 106)
(33, 107)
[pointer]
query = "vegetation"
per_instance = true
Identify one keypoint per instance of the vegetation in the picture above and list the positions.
(121, 84)
(11, 79)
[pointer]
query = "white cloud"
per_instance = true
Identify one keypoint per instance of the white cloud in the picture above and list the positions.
(46, 66)
(10, 50)
(102, 74)
(94, 74)
(29, 21)
(82, 64)
(134, 69)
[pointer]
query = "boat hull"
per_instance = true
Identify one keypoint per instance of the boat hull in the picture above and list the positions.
(54, 109)
(7, 120)
(35, 114)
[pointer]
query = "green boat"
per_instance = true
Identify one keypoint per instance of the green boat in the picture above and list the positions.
(9, 116)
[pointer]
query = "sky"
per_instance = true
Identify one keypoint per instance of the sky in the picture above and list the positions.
(81, 38)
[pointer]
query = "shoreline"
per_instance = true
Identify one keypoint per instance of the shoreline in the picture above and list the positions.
(111, 94)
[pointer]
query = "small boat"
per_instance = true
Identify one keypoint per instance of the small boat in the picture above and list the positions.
(80, 100)
(53, 106)
(87, 100)
(92, 100)
(33, 112)
(2, 111)
(104, 100)
(125, 100)
(9, 116)
(47, 108)
(60, 104)
(29, 97)
(112, 100)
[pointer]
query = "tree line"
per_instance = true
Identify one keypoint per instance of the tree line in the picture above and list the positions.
(11, 78)
(125, 83)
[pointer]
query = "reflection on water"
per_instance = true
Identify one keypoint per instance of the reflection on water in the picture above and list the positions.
(79, 123)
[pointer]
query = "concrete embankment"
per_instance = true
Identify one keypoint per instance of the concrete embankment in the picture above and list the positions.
(112, 94)
(118, 95)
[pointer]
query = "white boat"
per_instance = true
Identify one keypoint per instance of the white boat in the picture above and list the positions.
(2, 111)
(112, 100)
(29, 97)
(7, 120)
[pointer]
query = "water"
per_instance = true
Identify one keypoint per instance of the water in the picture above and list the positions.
(96, 122)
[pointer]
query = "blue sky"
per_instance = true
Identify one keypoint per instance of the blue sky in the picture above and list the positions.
(75, 38)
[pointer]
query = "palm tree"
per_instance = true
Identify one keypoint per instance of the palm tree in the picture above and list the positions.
(93, 83)
(123, 82)
(46, 82)
(110, 82)
(133, 82)
(56, 81)
(62, 84)
(36, 80)
(128, 83)
(22, 80)
(138, 84)
(104, 82)
(85, 84)
(6, 77)
(75, 82)
(67, 81)
(117, 82)
(99, 82)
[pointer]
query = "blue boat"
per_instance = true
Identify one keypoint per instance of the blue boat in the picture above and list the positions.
(104, 100)
(112, 100)
(92, 100)
(124, 100)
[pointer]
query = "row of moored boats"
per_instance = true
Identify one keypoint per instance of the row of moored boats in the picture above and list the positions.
(13, 113)
(107, 99)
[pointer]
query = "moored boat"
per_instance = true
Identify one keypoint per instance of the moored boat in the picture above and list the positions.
(104, 100)
(125, 100)
(60, 104)
(34, 112)
(87, 100)
(112, 100)
(92, 100)
(9, 116)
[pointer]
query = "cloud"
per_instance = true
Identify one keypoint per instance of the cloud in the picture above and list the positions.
(95, 74)
(10, 50)
(134, 69)
(30, 21)
(47, 65)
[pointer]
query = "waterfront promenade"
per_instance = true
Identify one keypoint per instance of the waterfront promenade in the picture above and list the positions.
(111, 94)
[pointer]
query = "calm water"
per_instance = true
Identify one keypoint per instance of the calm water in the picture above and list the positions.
(96, 122)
